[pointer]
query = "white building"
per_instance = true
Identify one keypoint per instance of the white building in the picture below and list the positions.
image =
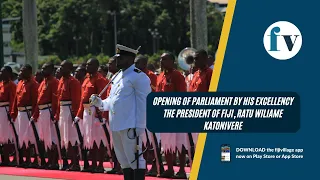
(9, 55)
(220, 5)
(6, 39)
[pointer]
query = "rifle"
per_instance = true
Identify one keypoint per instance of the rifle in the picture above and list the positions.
(57, 133)
(104, 127)
(81, 151)
(36, 136)
(157, 153)
(16, 138)
(191, 149)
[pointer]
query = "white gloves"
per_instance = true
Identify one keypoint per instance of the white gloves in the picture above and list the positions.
(140, 131)
(76, 120)
(103, 121)
(95, 100)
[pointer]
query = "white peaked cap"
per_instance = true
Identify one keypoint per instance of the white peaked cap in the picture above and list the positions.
(124, 48)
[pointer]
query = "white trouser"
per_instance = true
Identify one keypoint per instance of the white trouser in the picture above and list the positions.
(125, 148)
(24, 129)
(6, 132)
(92, 131)
(171, 141)
(68, 131)
(46, 129)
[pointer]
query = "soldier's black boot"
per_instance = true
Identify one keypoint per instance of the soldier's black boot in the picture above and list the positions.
(75, 160)
(54, 160)
(100, 157)
(5, 155)
(22, 164)
(42, 152)
(116, 165)
(128, 174)
(64, 155)
(86, 165)
(139, 174)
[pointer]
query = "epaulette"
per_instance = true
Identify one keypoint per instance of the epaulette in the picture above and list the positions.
(137, 70)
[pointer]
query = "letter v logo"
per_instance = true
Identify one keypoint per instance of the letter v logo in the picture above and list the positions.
(289, 42)
(282, 40)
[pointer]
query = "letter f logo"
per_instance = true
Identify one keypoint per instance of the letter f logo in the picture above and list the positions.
(273, 38)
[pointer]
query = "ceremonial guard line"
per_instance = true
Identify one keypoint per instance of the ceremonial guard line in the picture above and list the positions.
(97, 113)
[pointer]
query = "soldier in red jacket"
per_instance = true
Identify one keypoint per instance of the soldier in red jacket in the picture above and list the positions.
(24, 110)
(202, 77)
(171, 80)
(47, 105)
(80, 73)
(93, 134)
(69, 94)
(141, 63)
(7, 94)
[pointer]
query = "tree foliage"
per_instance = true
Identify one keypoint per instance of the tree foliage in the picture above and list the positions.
(76, 28)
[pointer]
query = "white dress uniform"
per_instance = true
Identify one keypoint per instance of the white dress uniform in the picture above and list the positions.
(127, 110)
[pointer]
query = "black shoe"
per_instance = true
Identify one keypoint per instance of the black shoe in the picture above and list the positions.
(13, 164)
(128, 174)
(88, 169)
(43, 166)
(3, 164)
(33, 165)
(98, 169)
(53, 167)
(74, 168)
(113, 171)
(152, 173)
(167, 174)
(139, 174)
(23, 165)
(180, 175)
(64, 167)
(120, 172)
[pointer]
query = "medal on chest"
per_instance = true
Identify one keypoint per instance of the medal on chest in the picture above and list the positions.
(90, 111)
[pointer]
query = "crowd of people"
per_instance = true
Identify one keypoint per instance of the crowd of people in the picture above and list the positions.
(52, 114)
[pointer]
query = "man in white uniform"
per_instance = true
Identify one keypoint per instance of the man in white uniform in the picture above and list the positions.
(127, 112)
